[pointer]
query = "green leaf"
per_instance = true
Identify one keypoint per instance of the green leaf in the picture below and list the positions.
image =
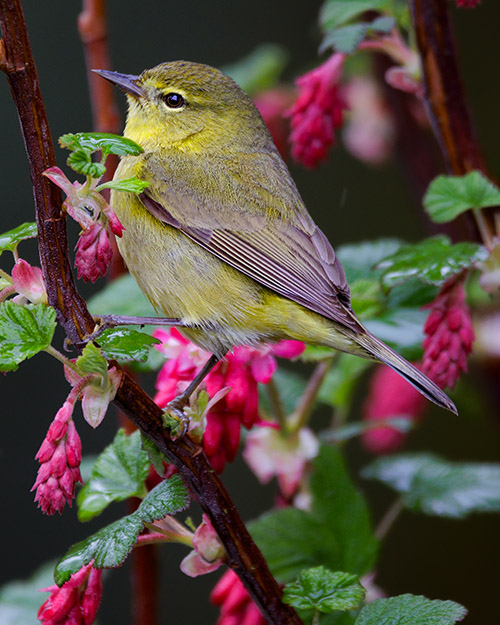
(133, 185)
(168, 497)
(346, 38)
(402, 329)
(382, 24)
(156, 457)
(125, 345)
(100, 141)
(433, 261)
(323, 590)
(20, 600)
(335, 13)
(81, 162)
(450, 196)
(360, 259)
(119, 473)
(433, 486)
(343, 510)
(110, 546)
(91, 360)
(366, 298)
(11, 239)
(356, 428)
(24, 331)
(340, 382)
(410, 610)
(259, 70)
(335, 534)
(290, 386)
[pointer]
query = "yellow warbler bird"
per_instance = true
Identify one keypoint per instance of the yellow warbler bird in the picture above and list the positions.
(220, 241)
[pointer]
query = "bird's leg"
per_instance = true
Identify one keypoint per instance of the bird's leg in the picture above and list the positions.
(175, 408)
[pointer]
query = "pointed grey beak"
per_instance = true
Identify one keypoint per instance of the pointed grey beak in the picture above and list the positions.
(127, 82)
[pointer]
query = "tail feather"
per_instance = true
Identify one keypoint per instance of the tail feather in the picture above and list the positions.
(420, 381)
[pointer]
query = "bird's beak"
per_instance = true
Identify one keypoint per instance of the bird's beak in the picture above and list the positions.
(129, 83)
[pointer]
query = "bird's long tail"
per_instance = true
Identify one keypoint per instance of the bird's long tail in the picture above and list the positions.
(421, 382)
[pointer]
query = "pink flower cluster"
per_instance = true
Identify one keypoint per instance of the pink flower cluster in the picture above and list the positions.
(76, 602)
(390, 396)
(449, 335)
(237, 607)
(89, 208)
(240, 371)
(60, 456)
(468, 4)
(317, 112)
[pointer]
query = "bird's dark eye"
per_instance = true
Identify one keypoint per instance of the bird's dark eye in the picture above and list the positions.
(173, 100)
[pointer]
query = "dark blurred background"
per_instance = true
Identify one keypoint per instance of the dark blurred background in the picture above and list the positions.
(351, 202)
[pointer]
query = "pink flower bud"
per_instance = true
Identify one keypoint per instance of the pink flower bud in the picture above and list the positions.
(113, 221)
(208, 551)
(94, 253)
(317, 112)
(28, 281)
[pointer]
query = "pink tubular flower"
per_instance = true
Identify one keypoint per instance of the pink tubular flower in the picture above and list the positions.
(269, 453)
(93, 252)
(317, 112)
(208, 551)
(60, 456)
(76, 602)
(449, 336)
(240, 370)
(390, 396)
(236, 605)
(28, 282)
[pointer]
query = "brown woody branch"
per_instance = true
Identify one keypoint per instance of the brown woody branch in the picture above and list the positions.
(242, 554)
(444, 93)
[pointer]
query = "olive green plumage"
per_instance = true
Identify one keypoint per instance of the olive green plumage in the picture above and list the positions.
(221, 238)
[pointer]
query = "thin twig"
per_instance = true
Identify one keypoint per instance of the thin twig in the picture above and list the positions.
(306, 402)
(276, 402)
(389, 518)
(243, 555)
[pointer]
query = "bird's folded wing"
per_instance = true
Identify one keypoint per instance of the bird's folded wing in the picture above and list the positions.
(287, 254)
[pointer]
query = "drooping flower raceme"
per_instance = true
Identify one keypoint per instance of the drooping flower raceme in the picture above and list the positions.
(390, 396)
(240, 371)
(317, 112)
(449, 335)
(236, 605)
(76, 602)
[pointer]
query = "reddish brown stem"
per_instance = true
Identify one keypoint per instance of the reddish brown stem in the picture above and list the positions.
(243, 555)
(444, 93)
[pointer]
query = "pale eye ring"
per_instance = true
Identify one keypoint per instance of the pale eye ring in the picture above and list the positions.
(173, 100)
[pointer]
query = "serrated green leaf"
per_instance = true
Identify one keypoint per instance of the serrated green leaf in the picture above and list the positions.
(366, 297)
(313, 543)
(323, 590)
(450, 196)
(91, 360)
(133, 185)
(24, 331)
(382, 24)
(168, 497)
(125, 345)
(360, 259)
(110, 546)
(100, 141)
(259, 70)
(335, 13)
(11, 239)
(119, 473)
(345, 38)
(433, 486)
(410, 610)
(121, 297)
(340, 382)
(433, 261)
(402, 329)
(343, 510)
(20, 599)
(81, 162)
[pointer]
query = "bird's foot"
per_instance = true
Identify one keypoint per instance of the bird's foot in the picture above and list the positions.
(175, 420)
